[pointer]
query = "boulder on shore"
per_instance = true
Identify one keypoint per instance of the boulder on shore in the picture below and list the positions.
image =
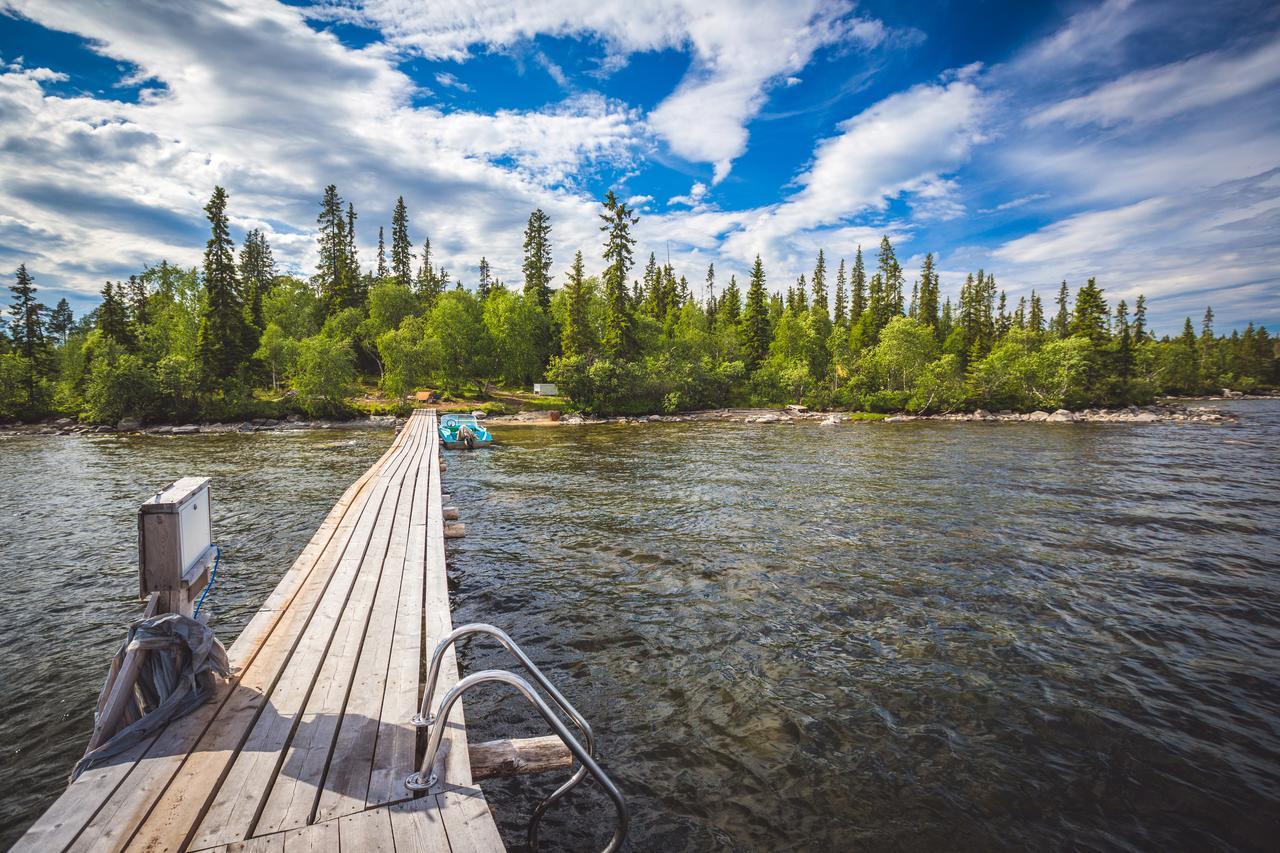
(129, 425)
(1038, 416)
(1062, 416)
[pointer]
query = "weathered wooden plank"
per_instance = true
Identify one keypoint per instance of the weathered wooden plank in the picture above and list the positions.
(64, 821)
(521, 755)
(234, 808)
(346, 782)
(394, 747)
(266, 844)
(417, 826)
(167, 803)
(317, 838)
(367, 832)
(468, 822)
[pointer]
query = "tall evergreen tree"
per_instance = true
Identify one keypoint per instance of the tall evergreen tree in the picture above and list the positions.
(711, 295)
(1062, 320)
(1020, 314)
(220, 343)
(332, 273)
(484, 283)
(137, 301)
(858, 288)
(928, 310)
(28, 316)
(537, 259)
(1140, 319)
(892, 278)
(842, 296)
(1123, 361)
(575, 337)
(755, 319)
(257, 272)
(731, 304)
(820, 285)
(946, 320)
(353, 283)
(61, 321)
(619, 333)
(1206, 325)
(113, 315)
(381, 272)
(1091, 316)
(401, 248)
(1035, 315)
(429, 284)
(1003, 320)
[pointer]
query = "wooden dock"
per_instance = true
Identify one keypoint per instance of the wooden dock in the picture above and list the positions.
(307, 745)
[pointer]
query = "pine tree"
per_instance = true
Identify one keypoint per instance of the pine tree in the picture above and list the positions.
(755, 319)
(946, 320)
(1003, 320)
(332, 272)
(928, 309)
(61, 321)
(842, 303)
(257, 272)
(537, 260)
(429, 284)
(1206, 325)
(220, 341)
(401, 248)
(485, 283)
(858, 288)
(820, 303)
(619, 335)
(1123, 364)
(1035, 317)
(915, 298)
(1062, 320)
(1140, 319)
(381, 271)
(28, 317)
(1020, 314)
(353, 283)
(1186, 361)
(802, 294)
(575, 338)
(711, 295)
(892, 279)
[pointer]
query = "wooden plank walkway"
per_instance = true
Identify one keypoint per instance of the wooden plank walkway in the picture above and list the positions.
(306, 746)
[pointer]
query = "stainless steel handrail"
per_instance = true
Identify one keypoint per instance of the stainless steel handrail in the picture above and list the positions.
(424, 717)
(421, 781)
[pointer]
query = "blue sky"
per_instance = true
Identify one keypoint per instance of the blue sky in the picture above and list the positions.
(1135, 141)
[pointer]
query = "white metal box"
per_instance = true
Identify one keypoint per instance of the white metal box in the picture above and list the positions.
(175, 535)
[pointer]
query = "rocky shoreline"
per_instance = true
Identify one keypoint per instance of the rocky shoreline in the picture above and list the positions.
(68, 426)
(1158, 413)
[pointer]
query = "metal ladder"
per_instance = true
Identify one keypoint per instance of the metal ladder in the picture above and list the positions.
(424, 779)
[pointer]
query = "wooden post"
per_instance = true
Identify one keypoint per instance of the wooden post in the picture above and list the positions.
(451, 513)
(175, 551)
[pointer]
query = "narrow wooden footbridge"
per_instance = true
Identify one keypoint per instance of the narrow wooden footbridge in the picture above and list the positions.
(317, 738)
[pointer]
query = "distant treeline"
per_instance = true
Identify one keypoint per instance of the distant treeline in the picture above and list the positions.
(234, 338)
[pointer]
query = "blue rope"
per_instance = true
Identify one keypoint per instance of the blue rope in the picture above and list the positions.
(213, 576)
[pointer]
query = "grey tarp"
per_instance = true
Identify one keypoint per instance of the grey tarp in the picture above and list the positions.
(176, 676)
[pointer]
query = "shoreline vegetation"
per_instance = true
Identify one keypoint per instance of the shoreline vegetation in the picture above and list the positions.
(237, 341)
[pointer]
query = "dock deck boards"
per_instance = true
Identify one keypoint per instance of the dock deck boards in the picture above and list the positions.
(307, 744)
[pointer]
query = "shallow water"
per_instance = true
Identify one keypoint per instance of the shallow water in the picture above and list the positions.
(908, 636)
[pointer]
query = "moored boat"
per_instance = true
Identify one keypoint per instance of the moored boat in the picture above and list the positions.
(463, 432)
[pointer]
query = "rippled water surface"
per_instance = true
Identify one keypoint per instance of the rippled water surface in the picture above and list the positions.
(913, 636)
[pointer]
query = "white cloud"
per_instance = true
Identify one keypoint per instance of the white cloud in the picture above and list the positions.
(451, 81)
(739, 49)
(696, 194)
(1159, 93)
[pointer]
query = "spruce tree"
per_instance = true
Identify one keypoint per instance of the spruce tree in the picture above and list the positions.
(946, 320)
(113, 316)
(353, 283)
(537, 260)
(61, 321)
(731, 304)
(842, 297)
(927, 312)
(575, 337)
(1035, 316)
(892, 280)
(381, 271)
(1123, 362)
(1020, 314)
(484, 283)
(331, 274)
(619, 335)
(1062, 320)
(754, 331)
(429, 284)
(220, 341)
(28, 316)
(1206, 325)
(401, 248)
(1091, 318)
(858, 288)
(257, 272)
(711, 295)
(915, 299)
(1003, 320)
(1140, 319)
(820, 303)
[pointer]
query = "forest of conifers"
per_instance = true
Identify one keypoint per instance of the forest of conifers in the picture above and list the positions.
(235, 339)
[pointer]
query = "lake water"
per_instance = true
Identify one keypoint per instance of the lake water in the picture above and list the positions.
(913, 636)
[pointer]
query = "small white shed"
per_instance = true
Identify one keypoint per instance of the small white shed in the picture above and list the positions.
(546, 389)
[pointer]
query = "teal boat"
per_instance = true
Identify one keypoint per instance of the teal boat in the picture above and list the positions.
(462, 432)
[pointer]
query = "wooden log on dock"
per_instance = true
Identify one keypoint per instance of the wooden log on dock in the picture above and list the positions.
(518, 756)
